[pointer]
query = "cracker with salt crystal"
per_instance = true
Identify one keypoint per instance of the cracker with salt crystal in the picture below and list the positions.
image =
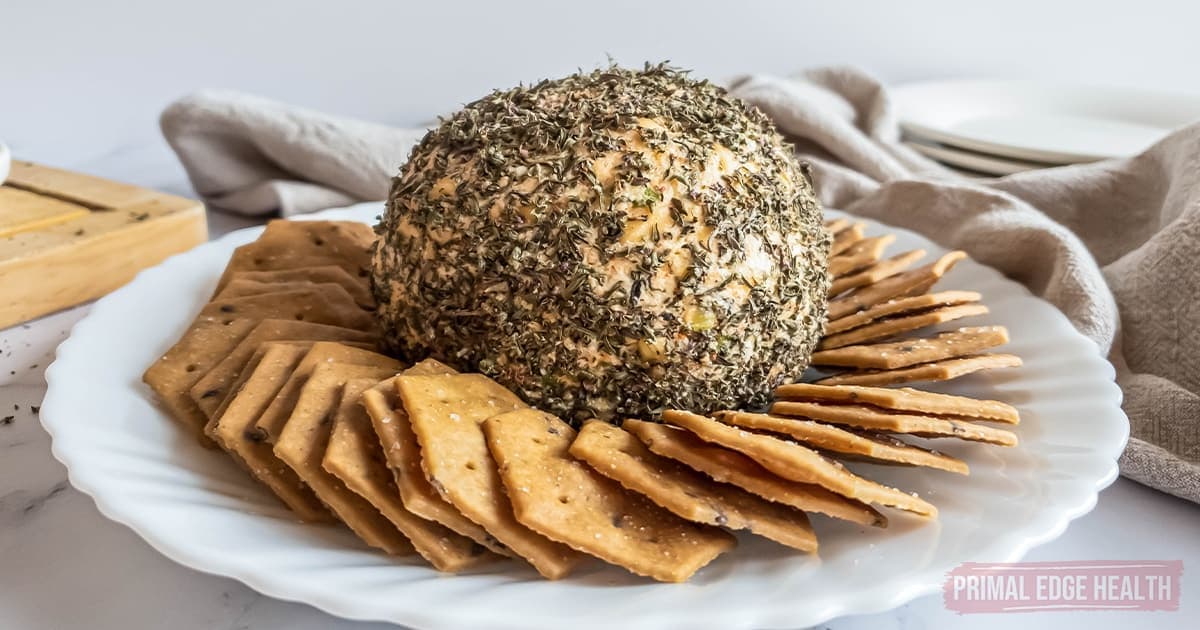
(798, 463)
(876, 272)
(446, 413)
(909, 282)
(294, 244)
(892, 326)
(618, 455)
(845, 238)
(901, 306)
(860, 255)
(871, 419)
(897, 354)
(356, 286)
(881, 449)
(944, 370)
(563, 499)
(902, 399)
(729, 466)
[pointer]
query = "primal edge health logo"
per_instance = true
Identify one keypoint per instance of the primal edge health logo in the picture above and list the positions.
(1045, 586)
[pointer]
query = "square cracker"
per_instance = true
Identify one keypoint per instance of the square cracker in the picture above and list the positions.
(910, 282)
(871, 419)
(798, 463)
(618, 455)
(732, 467)
(944, 370)
(357, 287)
(897, 354)
(320, 304)
(892, 326)
(565, 500)
(445, 413)
(302, 447)
(403, 455)
(270, 367)
(899, 306)
(874, 448)
(903, 399)
(211, 390)
(293, 244)
(354, 456)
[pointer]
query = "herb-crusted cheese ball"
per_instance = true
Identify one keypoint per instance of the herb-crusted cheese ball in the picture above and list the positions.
(607, 245)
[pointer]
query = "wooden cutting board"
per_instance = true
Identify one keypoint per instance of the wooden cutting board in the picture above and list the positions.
(66, 238)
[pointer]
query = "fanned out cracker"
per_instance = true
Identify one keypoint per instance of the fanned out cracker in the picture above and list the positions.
(900, 306)
(862, 254)
(732, 467)
(873, 419)
(304, 439)
(565, 500)
(212, 389)
(403, 455)
(354, 456)
(268, 372)
(244, 288)
(618, 455)
(875, 448)
(945, 370)
(906, 352)
(892, 326)
(798, 463)
(903, 399)
(445, 413)
(319, 304)
(910, 282)
(357, 287)
(833, 226)
(295, 244)
(843, 239)
(880, 270)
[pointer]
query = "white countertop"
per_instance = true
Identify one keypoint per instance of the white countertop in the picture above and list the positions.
(63, 565)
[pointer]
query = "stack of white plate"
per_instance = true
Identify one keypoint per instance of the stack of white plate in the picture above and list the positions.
(1004, 127)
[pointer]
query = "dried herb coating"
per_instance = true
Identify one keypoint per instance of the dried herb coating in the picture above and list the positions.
(607, 245)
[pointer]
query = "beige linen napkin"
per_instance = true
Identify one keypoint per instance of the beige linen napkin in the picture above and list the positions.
(1115, 245)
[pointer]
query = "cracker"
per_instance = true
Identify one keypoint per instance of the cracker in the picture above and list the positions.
(294, 244)
(243, 288)
(273, 363)
(354, 456)
(906, 352)
(872, 419)
(862, 254)
(909, 282)
(843, 239)
(212, 388)
(270, 424)
(618, 455)
(565, 500)
(357, 287)
(302, 445)
(874, 448)
(798, 463)
(734, 468)
(944, 370)
(833, 226)
(892, 326)
(403, 455)
(879, 271)
(446, 412)
(319, 304)
(905, 305)
(903, 399)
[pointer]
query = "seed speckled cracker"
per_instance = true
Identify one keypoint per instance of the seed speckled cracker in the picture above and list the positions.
(910, 282)
(302, 445)
(354, 456)
(906, 352)
(798, 463)
(903, 399)
(876, 272)
(901, 306)
(944, 370)
(732, 467)
(845, 238)
(294, 244)
(618, 455)
(403, 456)
(875, 448)
(871, 419)
(860, 255)
(446, 412)
(892, 326)
(357, 287)
(565, 500)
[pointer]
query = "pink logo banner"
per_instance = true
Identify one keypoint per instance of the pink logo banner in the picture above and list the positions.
(976, 587)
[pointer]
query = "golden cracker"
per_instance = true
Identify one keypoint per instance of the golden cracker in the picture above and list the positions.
(445, 413)
(243, 288)
(565, 500)
(618, 455)
(293, 244)
(872, 419)
(843, 239)
(906, 352)
(833, 226)
(862, 254)
(892, 326)
(302, 445)
(319, 304)
(900, 306)
(945, 370)
(357, 287)
(877, 272)
(354, 456)
(798, 463)
(875, 448)
(905, 283)
(903, 399)
(732, 467)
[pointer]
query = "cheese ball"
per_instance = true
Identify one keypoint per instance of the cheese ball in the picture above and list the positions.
(607, 245)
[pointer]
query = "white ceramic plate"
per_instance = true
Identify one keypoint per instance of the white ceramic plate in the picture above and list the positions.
(977, 162)
(197, 508)
(5, 162)
(1041, 122)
